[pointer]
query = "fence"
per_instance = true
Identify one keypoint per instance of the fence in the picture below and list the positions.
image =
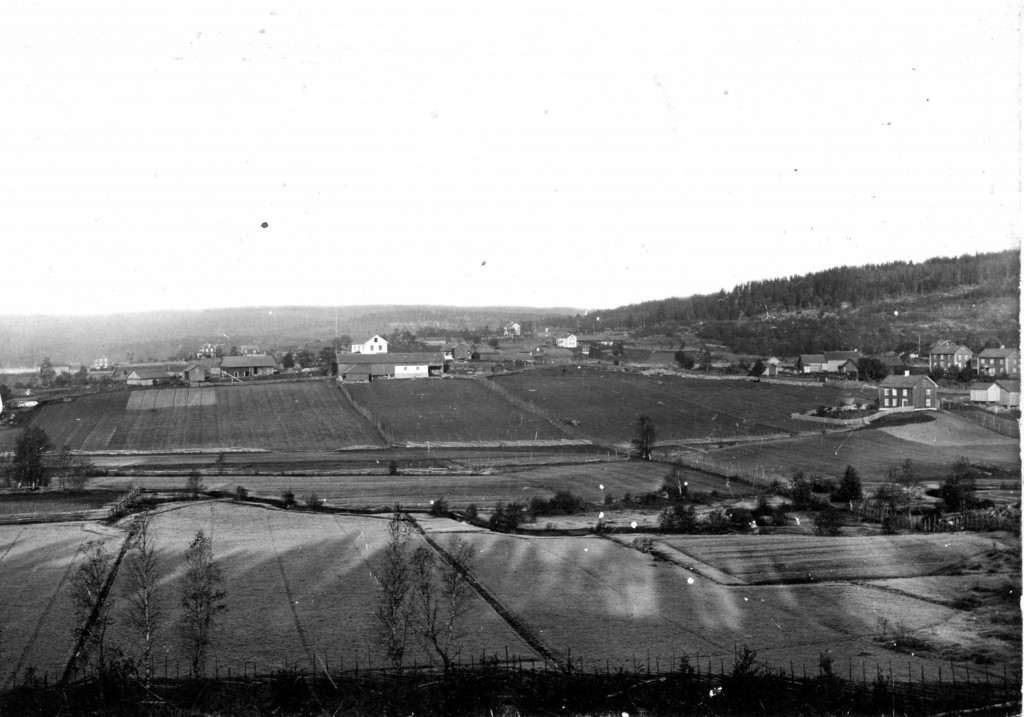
(729, 469)
(385, 432)
(980, 520)
(683, 680)
(1005, 426)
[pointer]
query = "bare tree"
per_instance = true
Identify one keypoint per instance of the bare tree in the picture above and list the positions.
(202, 600)
(91, 603)
(142, 613)
(646, 436)
(441, 596)
(394, 609)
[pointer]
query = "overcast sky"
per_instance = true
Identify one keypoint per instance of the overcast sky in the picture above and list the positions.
(529, 153)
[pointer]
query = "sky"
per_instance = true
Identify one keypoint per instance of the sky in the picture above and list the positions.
(572, 154)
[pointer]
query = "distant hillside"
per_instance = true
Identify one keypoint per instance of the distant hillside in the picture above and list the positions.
(25, 340)
(973, 299)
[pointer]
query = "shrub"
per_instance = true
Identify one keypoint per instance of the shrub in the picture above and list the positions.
(609, 499)
(740, 516)
(194, 484)
(957, 491)
(820, 484)
(677, 519)
(241, 493)
(471, 512)
(506, 517)
(763, 507)
(800, 491)
(393, 468)
(288, 498)
(644, 544)
(828, 522)
(627, 499)
(889, 525)
(674, 485)
(439, 507)
(716, 521)
(313, 501)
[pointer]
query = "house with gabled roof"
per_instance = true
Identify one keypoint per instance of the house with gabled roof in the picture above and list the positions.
(456, 351)
(834, 360)
(984, 392)
(1009, 392)
(947, 355)
(376, 344)
(998, 362)
(908, 393)
(566, 341)
(148, 377)
(373, 367)
(247, 366)
(811, 363)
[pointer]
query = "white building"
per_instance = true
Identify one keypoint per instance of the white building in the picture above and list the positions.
(376, 344)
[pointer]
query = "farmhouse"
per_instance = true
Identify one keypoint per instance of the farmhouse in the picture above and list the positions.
(247, 366)
(456, 351)
(148, 377)
(251, 350)
(195, 373)
(836, 360)
(998, 362)
(376, 344)
(907, 393)
(946, 355)
(368, 367)
(512, 329)
(208, 350)
(811, 363)
(100, 363)
(566, 341)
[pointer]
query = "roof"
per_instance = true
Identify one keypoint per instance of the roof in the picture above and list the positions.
(370, 338)
(1011, 385)
(148, 373)
(454, 344)
(357, 369)
(892, 360)
(998, 353)
(248, 362)
(981, 385)
(903, 381)
(402, 359)
(842, 355)
(947, 350)
(812, 358)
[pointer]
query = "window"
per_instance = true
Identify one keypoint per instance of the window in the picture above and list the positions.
(928, 402)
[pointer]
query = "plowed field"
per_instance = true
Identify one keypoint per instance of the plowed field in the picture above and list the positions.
(449, 411)
(274, 416)
(607, 404)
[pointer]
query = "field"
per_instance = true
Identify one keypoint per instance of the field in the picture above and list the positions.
(56, 502)
(299, 586)
(416, 491)
(607, 404)
(277, 416)
(449, 411)
(758, 559)
(35, 610)
(871, 451)
(600, 600)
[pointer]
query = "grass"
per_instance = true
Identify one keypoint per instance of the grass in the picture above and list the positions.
(300, 586)
(796, 558)
(36, 614)
(56, 501)
(279, 416)
(449, 411)
(872, 451)
(607, 404)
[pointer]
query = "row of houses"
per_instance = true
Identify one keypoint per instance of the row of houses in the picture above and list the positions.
(196, 372)
(1000, 361)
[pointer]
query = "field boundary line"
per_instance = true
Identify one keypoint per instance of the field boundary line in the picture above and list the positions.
(517, 624)
(101, 598)
(660, 553)
(385, 434)
(904, 593)
(288, 593)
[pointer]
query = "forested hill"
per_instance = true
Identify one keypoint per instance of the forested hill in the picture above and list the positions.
(977, 276)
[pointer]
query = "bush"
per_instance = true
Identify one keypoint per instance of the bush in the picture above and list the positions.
(740, 516)
(609, 499)
(439, 507)
(393, 468)
(194, 484)
(820, 484)
(889, 525)
(957, 491)
(800, 491)
(828, 522)
(241, 493)
(644, 544)
(471, 512)
(716, 521)
(313, 501)
(677, 519)
(288, 498)
(506, 517)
